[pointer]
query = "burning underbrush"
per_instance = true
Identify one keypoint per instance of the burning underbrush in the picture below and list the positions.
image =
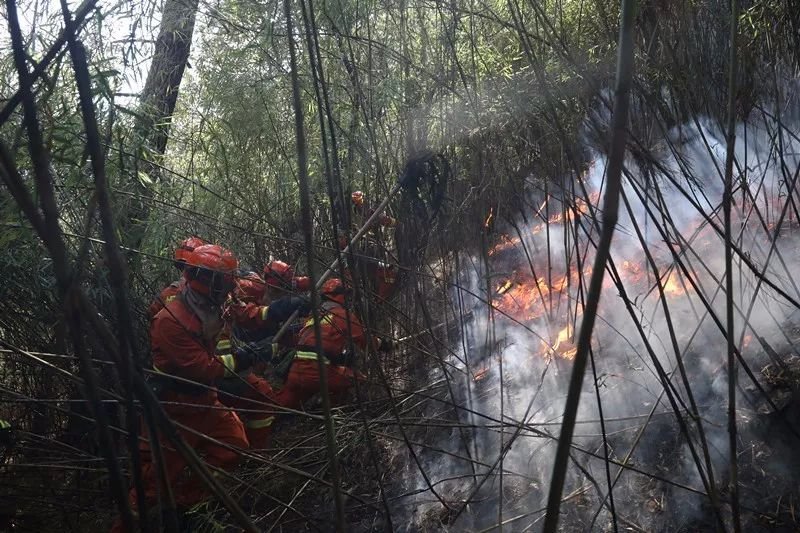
(652, 421)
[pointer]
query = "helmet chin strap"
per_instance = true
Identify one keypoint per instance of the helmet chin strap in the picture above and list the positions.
(220, 288)
(217, 286)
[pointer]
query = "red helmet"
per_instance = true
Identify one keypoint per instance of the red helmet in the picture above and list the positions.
(185, 249)
(334, 290)
(250, 288)
(358, 198)
(210, 270)
(278, 274)
(301, 283)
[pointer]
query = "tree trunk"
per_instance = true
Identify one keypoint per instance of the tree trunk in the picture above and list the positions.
(158, 100)
(166, 72)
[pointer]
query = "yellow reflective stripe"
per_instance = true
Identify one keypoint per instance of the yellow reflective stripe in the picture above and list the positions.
(325, 318)
(6, 425)
(309, 355)
(229, 363)
(262, 423)
(264, 311)
(224, 346)
(168, 299)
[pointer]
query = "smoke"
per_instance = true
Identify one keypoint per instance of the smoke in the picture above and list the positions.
(511, 365)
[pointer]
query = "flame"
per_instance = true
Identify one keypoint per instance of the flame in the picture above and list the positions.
(565, 342)
(631, 268)
(480, 374)
(564, 345)
(580, 208)
(525, 298)
(673, 287)
(557, 288)
(554, 291)
(504, 287)
(522, 300)
(489, 218)
(506, 244)
(564, 335)
(560, 284)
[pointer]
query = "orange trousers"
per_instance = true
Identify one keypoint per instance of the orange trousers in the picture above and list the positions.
(303, 382)
(205, 415)
(247, 395)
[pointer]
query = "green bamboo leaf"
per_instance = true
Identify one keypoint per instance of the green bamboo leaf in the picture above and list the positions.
(144, 178)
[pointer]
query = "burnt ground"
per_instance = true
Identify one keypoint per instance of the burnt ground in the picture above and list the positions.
(769, 476)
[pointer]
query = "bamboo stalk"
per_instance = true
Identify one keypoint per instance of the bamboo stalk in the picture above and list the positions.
(305, 208)
(611, 206)
(118, 268)
(730, 324)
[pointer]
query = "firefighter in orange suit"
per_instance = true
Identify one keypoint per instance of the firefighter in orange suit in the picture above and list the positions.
(280, 279)
(303, 379)
(248, 394)
(363, 212)
(382, 273)
(169, 292)
(183, 336)
(276, 305)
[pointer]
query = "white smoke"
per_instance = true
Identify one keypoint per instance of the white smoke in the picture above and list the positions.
(534, 387)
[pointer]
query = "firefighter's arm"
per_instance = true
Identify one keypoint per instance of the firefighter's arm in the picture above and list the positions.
(383, 219)
(247, 315)
(387, 221)
(282, 309)
(357, 331)
(378, 344)
(180, 354)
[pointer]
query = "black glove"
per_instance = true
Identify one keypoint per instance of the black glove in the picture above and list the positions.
(385, 345)
(260, 351)
(243, 358)
(280, 310)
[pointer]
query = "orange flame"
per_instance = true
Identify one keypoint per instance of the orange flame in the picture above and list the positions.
(565, 342)
(504, 287)
(673, 287)
(507, 243)
(560, 284)
(554, 291)
(564, 345)
(480, 374)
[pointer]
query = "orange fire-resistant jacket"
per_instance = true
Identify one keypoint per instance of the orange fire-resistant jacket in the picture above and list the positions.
(261, 317)
(178, 347)
(333, 327)
(166, 295)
